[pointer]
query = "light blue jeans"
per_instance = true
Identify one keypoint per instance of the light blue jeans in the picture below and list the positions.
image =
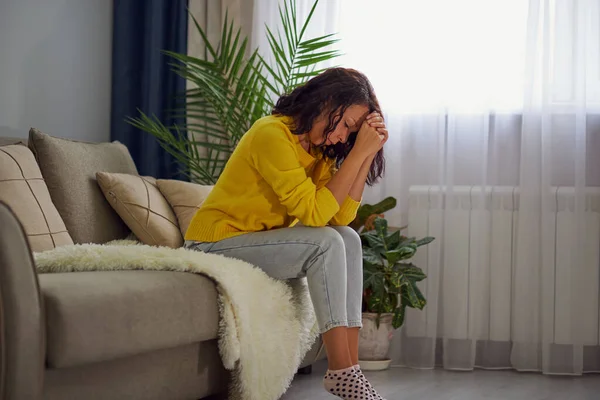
(330, 258)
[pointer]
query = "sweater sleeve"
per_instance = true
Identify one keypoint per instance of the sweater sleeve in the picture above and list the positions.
(276, 160)
(347, 212)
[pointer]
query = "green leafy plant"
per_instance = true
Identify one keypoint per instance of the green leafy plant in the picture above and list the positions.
(390, 280)
(230, 91)
(367, 213)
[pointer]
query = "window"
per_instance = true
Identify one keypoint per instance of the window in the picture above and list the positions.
(427, 55)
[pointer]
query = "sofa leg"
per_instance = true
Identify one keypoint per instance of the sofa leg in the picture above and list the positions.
(305, 371)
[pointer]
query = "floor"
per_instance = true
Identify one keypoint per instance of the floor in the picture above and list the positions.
(409, 384)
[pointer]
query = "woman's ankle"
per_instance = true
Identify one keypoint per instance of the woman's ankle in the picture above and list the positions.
(339, 365)
(338, 371)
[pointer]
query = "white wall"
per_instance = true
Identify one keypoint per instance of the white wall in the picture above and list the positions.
(55, 68)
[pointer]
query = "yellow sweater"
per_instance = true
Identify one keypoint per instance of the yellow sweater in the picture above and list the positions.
(270, 182)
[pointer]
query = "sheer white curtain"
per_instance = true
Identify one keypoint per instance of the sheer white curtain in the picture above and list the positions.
(559, 147)
(484, 98)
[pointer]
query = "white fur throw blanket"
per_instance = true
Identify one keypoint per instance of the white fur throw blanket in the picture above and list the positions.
(266, 328)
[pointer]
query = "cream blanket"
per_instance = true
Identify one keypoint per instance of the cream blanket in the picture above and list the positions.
(266, 326)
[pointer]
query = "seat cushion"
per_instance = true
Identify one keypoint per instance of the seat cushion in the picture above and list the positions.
(24, 190)
(98, 316)
(193, 371)
(69, 168)
(142, 207)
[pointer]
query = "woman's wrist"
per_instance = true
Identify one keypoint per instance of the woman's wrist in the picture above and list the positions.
(366, 165)
(369, 160)
(359, 154)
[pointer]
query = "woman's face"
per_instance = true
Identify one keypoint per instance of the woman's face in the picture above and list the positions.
(350, 122)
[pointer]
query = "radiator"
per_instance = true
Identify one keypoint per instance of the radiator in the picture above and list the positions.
(470, 292)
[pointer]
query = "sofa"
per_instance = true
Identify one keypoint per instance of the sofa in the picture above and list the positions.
(93, 335)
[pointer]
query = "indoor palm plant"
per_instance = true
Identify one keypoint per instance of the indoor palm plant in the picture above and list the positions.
(390, 281)
(231, 90)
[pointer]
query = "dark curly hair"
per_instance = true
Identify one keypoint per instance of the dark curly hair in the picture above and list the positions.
(332, 92)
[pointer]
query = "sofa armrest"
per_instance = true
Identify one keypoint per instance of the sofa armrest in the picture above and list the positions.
(22, 327)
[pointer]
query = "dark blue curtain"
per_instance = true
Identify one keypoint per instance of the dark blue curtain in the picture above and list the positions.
(142, 78)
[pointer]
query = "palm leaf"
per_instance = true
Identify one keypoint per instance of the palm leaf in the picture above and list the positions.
(231, 90)
(295, 57)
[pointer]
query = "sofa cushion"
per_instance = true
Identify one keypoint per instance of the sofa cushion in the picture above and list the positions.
(69, 168)
(142, 207)
(194, 371)
(98, 316)
(24, 190)
(185, 199)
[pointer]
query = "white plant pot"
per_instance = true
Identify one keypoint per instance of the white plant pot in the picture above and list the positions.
(374, 365)
(374, 343)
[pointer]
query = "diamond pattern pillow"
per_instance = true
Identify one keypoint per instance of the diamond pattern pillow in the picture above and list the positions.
(23, 188)
(142, 207)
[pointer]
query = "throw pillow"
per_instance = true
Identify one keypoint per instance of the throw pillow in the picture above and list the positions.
(69, 168)
(142, 207)
(22, 187)
(185, 198)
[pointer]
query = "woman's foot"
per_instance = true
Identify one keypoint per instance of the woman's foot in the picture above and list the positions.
(346, 384)
(363, 378)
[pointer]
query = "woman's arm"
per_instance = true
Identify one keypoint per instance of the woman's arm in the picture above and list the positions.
(368, 142)
(375, 122)
(356, 191)
(349, 208)
(344, 179)
(274, 157)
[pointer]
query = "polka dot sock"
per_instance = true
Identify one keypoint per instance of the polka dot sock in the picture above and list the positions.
(345, 384)
(363, 378)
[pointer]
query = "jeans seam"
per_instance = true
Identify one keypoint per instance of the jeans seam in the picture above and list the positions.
(272, 244)
(275, 243)
(326, 288)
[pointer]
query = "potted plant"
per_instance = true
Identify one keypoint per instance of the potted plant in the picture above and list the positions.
(390, 282)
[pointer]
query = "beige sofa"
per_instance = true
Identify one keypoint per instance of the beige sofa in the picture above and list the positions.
(93, 335)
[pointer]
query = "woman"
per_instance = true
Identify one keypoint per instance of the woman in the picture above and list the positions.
(306, 163)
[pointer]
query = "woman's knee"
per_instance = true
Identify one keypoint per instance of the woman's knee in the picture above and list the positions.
(328, 238)
(353, 247)
(350, 237)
